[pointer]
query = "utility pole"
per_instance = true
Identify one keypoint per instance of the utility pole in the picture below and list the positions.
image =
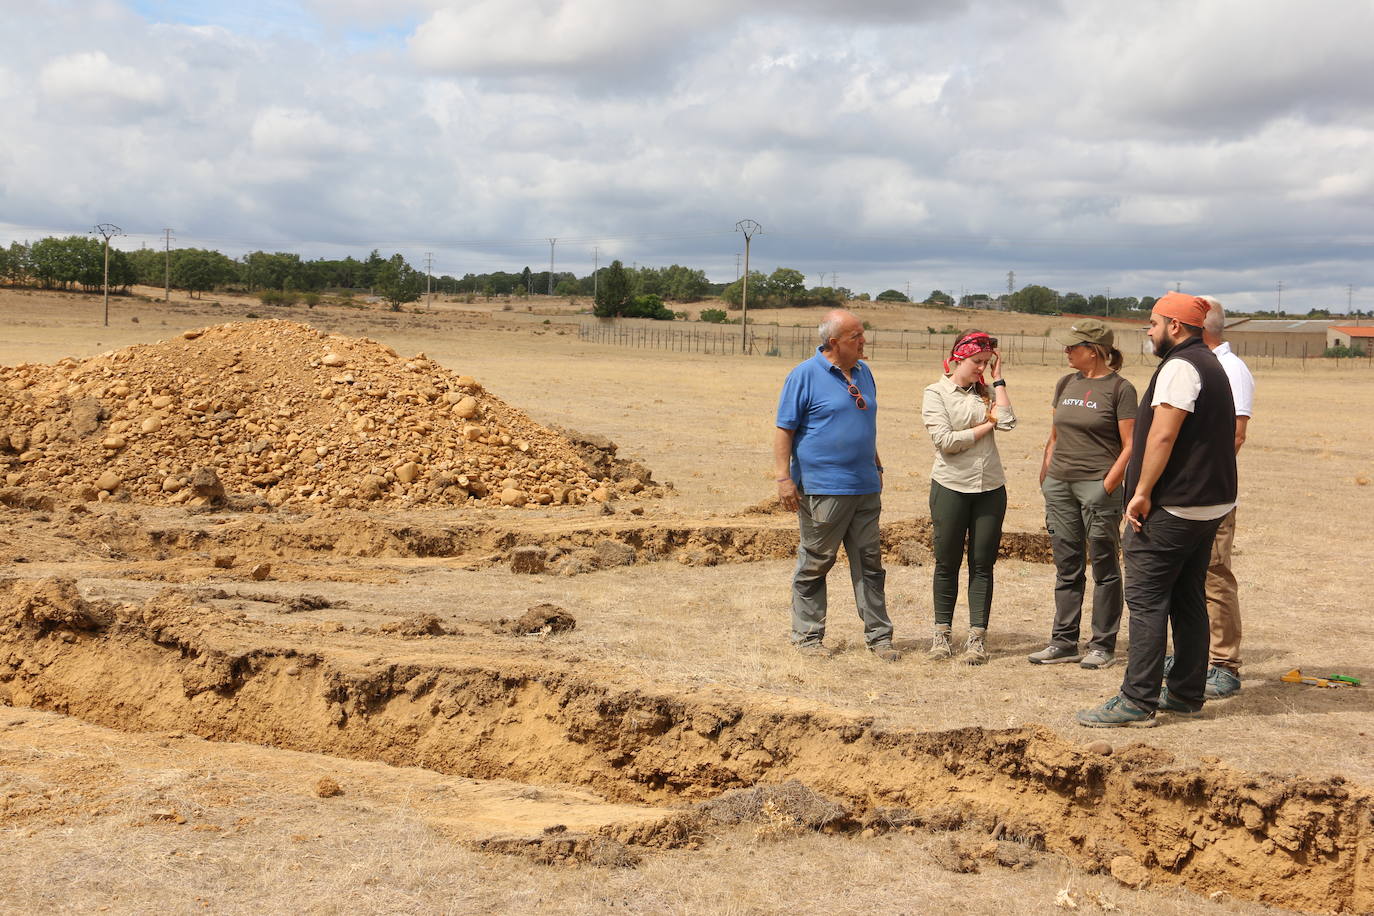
(107, 231)
(596, 270)
(1349, 299)
(1107, 308)
(1011, 282)
(1280, 301)
(749, 228)
(552, 243)
(429, 281)
(908, 291)
(167, 267)
(737, 257)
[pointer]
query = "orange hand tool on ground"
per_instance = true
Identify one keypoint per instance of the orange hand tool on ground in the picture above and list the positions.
(1331, 680)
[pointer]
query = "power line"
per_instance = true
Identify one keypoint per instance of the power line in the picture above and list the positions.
(167, 266)
(749, 228)
(107, 231)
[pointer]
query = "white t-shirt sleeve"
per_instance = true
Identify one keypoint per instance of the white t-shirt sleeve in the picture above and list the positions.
(1242, 385)
(1178, 385)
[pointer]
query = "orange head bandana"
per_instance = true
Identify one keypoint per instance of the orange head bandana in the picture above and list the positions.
(1187, 309)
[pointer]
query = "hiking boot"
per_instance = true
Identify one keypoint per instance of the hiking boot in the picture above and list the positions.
(1221, 683)
(885, 652)
(1054, 655)
(1170, 703)
(814, 650)
(1097, 658)
(939, 643)
(975, 649)
(1118, 712)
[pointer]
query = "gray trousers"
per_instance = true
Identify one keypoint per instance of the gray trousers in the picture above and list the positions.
(826, 522)
(1084, 521)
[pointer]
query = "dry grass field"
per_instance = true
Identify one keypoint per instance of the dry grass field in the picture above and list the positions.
(126, 785)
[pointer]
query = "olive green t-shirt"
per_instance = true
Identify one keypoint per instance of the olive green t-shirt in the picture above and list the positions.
(1086, 411)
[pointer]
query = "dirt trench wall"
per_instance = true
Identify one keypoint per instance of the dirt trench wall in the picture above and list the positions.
(169, 665)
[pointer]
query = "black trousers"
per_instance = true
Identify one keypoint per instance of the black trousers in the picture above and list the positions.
(1166, 581)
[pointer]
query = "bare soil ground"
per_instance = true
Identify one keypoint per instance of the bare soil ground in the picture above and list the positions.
(174, 712)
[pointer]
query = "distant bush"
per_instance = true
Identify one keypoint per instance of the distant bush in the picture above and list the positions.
(713, 316)
(276, 297)
(1342, 351)
(650, 306)
(310, 299)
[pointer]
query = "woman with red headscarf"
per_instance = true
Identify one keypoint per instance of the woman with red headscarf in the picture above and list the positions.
(968, 494)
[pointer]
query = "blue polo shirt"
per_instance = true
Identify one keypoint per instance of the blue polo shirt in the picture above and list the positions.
(836, 444)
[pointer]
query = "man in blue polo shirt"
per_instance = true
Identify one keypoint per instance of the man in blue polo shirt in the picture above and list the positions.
(825, 456)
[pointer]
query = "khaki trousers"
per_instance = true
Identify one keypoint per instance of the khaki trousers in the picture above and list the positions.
(1223, 604)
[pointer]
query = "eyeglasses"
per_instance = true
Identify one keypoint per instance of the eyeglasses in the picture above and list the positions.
(858, 398)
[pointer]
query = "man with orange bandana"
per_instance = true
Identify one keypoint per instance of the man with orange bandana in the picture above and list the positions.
(1180, 484)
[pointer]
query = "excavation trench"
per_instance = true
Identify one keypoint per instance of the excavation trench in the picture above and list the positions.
(571, 545)
(170, 664)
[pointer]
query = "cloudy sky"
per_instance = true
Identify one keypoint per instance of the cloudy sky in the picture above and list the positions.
(1224, 145)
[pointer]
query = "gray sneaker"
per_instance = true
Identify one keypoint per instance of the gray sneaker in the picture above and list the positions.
(886, 652)
(976, 649)
(1170, 703)
(1096, 658)
(1221, 682)
(939, 643)
(1054, 655)
(814, 650)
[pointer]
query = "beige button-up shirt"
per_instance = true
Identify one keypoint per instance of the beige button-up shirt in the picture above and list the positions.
(962, 463)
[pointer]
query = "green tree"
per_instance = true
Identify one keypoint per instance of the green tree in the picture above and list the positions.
(16, 264)
(1076, 303)
(758, 291)
(713, 316)
(1038, 300)
(939, 297)
(398, 283)
(684, 284)
(613, 295)
(787, 287)
(197, 270)
(892, 295)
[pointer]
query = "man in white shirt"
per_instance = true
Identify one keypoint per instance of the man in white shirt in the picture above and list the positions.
(1180, 483)
(1223, 604)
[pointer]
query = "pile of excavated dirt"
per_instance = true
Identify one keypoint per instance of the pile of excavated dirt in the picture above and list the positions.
(295, 416)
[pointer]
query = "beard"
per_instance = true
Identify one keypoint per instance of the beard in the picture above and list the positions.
(1163, 346)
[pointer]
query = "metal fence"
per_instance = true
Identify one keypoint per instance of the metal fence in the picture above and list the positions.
(795, 343)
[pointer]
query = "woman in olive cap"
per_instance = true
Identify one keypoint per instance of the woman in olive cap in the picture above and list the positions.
(1081, 478)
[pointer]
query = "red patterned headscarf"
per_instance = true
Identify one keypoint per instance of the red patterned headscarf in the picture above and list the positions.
(967, 346)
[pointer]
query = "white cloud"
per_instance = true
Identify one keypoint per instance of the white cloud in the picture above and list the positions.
(1076, 142)
(90, 80)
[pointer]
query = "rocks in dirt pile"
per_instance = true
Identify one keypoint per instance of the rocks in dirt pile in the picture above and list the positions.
(540, 620)
(278, 409)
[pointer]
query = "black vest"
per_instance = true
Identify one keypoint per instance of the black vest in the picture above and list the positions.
(1202, 466)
